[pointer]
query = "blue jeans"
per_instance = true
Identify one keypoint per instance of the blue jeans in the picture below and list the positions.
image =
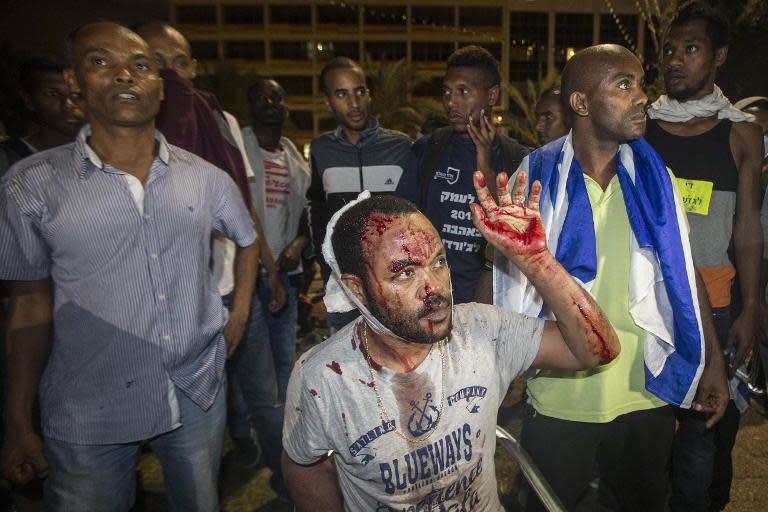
(85, 478)
(253, 384)
(281, 327)
(702, 469)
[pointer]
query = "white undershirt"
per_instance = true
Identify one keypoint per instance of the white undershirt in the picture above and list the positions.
(137, 191)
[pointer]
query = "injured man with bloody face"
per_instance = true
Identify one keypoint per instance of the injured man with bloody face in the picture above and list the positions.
(406, 396)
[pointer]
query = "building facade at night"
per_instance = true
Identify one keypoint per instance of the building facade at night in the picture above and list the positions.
(291, 40)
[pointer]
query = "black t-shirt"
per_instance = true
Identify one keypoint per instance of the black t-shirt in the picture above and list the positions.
(450, 193)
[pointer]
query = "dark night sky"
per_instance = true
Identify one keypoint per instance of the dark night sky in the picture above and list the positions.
(39, 26)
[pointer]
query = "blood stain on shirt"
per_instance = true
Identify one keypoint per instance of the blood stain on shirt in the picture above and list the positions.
(335, 367)
(369, 384)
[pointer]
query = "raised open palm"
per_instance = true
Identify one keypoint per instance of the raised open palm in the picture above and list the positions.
(511, 227)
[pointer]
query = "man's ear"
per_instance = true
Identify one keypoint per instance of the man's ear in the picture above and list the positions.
(327, 101)
(720, 55)
(192, 69)
(355, 285)
(493, 95)
(579, 104)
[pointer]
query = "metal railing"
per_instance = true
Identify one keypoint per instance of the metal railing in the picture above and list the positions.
(531, 473)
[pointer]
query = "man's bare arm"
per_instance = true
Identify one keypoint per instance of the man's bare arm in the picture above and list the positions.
(746, 141)
(245, 270)
(27, 346)
(712, 395)
(276, 289)
(314, 487)
(582, 337)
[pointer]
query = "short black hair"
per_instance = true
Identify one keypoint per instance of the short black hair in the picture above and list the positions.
(718, 30)
(31, 69)
(257, 85)
(348, 235)
(550, 91)
(334, 64)
(474, 56)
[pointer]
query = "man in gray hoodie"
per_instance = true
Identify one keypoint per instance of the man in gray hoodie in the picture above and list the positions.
(358, 155)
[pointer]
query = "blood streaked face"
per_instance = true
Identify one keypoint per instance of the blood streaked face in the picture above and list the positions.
(408, 283)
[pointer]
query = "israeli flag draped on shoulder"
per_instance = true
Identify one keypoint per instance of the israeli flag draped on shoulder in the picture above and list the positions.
(662, 282)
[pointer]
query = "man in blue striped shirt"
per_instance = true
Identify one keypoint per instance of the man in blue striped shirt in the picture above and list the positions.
(109, 242)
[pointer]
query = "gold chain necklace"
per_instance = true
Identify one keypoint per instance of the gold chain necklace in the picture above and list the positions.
(383, 411)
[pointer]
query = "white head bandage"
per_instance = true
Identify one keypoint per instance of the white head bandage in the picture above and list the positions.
(338, 298)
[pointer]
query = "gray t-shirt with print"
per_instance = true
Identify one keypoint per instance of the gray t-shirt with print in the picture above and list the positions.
(433, 449)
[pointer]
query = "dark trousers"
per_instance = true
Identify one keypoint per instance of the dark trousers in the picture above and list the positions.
(254, 388)
(702, 469)
(632, 454)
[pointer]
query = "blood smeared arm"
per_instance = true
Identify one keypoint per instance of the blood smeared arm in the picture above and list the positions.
(582, 336)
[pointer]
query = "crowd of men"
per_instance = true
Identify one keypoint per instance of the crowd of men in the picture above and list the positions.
(152, 253)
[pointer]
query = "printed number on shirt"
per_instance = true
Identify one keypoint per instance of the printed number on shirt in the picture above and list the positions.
(461, 214)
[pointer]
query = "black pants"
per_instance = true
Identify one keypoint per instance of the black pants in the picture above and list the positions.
(702, 469)
(632, 454)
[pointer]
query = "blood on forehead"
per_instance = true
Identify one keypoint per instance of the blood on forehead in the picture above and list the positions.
(376, 224)
(398, 237)
(416, 242)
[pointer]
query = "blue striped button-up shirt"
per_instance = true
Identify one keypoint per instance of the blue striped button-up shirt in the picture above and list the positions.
(136, 313)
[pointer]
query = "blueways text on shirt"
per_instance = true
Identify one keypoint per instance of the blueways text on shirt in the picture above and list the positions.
(458, 496)
(426, 464)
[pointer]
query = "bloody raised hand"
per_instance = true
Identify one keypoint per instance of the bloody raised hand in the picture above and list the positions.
(518, 233)
(511, 227)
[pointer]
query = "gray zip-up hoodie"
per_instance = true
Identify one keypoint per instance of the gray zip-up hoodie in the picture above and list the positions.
(340, 171)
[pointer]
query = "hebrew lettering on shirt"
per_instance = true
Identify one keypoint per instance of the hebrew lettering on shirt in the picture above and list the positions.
(453, 197)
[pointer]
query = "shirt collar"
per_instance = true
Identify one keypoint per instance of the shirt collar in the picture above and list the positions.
(373, 127)
(86, 153)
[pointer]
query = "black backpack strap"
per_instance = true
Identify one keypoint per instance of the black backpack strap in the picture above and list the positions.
(431, 159)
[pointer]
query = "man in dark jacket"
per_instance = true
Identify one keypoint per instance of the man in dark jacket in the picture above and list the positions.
(358, 155)
(449, 156)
